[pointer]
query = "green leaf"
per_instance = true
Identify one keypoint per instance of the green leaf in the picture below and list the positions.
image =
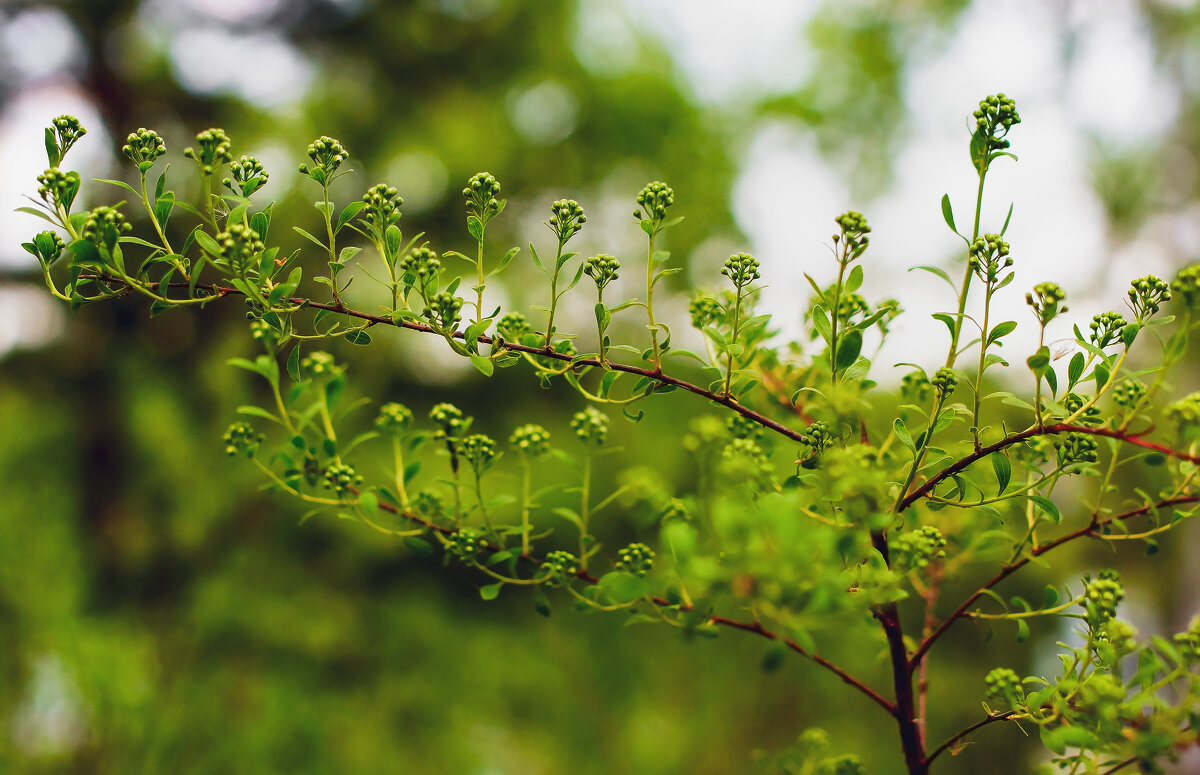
(348, 212)
(475, 226)
(293, 364)
(484, 365)
(1048, 507)
(903, 435)
(504, 262)
(419, 547)
(1075, 369)
(121, 184)
(855, 280)
(848, 349)
(1001, 329)
(52, 155)
(979, 151)
(1003, 469)
(948, 213)
(490, 591)
(358, 336)
(310, 237)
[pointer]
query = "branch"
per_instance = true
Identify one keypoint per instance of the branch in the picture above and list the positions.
(1088, 530)
(754, 627)
(1048, 430)
(655, 375)
(954, 739)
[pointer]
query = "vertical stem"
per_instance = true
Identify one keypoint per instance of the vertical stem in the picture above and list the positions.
(966, 283)
(525, 506)
(1037, 390)
(479, 290)
(987, 303)
(584, 509)
(328, 211)
(650, 308)
(737, 315)
(553, 295)
(398, 456)
(833, 314)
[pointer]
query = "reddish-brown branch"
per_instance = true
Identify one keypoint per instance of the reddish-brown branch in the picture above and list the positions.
(954, 468)
(753, 627)
(949, 743)
(1088, 530)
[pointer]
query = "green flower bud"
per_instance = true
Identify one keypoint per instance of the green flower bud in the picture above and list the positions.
(421, 262)
(816, 438)
(262, 331)
(1074, 402)
(853, 223)
(566, 219)
(214, 150)
(704, 310)
(143, 147)
(513, 326)
(429, 506)
(1147, 294)
(1045, 300)
(1185, 412)
(590, 426)
(944, 381)
(531, 440)
(744, 458)
(46, 246)
(1106, 328)
(1187, 286)
(466, 544)
(741, 269)
(327, 155)
(381, 207)
(916, 549)
(104, 226)
(675, 510)
(846, 764)
(602, 269)
(448, 418)
(246, 175)
(1004, 685)
(1076, 449)
(444, 311)
(1102, 596)
(560, 568)
(341, 477)
(58, 187)
(242, 438)
(67, 130)
(653, 201)
(914, 387)
(1128, 393)
(988, 256)
(851, 304)
(319, 364)
(1188, 642)
(636, 558)
(240, 247)
(479, 451)
(996, 115)
(394, 418)
(480, 193)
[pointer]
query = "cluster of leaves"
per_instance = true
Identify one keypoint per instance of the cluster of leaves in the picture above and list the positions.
(816, 507)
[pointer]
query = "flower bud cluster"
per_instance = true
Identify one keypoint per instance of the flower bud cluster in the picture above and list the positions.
(704, 311)
(530, 440)
(479, 450)
(248, 175)
(1074, 402)
(851, 304)
(340, 477)
(319, 364)
(920, 547)
(381, 206)
(1188, 642)
(989, 255)
(1129, 393)
(944, 381)
(817, 438)
(854, 232)
(104, 225)
(430, 506)
(845, 764)
(1106, 328)
(143, 147)
(512, 326)
(637, 558)
(560, 567)
(740, 427)
(675, 509)
(1102, 596)
(47, 246)
(449, 420)
(239, 245)
(241, 437)
(67, 130)
(422, 262)
(1147, 294)
(394, 418)
(444, 311)
(1075, 449)
(1187, 286)
(914, 386)
(1004, 685)
(996, 115)
(480, 193)
(653, 201)
(744, 457)
(55, 186)
(261, 330)
(327, 155)
(741, 269)
(602, 269)
(1185, 412)
(465, 544)
(566, 219)
(590, 426)
(214, 150)
(1045, 300)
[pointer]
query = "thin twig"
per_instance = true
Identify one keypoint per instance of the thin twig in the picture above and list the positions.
(955, 738)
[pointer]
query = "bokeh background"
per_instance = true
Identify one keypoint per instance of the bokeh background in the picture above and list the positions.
(158, 613)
